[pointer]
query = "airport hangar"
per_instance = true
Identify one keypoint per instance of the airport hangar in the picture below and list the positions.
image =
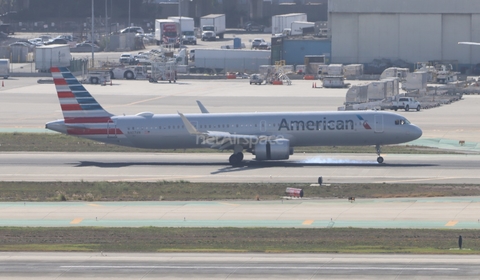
(410, 30)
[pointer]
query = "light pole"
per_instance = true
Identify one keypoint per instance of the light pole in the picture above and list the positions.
(93, 51)
(129, 13)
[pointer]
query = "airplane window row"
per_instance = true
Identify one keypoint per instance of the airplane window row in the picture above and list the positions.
(201, 126)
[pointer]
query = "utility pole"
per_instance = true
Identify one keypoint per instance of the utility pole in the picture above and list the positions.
(92, 40)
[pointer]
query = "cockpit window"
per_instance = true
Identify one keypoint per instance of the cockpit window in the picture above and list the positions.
(402, 122)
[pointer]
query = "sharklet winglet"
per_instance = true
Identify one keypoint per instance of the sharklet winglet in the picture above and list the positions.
(188, 125)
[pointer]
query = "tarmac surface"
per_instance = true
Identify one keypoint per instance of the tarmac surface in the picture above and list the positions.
(435, 213)
(19, 265)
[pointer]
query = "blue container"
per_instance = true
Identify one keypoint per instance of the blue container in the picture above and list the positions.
(237, 43)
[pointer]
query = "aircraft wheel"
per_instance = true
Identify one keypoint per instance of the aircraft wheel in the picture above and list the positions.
(380, 159)
(236, 158)
(129, 75)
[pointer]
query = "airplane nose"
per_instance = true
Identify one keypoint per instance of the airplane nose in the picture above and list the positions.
(416, 132)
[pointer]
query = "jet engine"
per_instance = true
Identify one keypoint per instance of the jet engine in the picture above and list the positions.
(273, 149)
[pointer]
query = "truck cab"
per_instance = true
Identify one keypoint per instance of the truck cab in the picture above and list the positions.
(208, 33)
(188, 37)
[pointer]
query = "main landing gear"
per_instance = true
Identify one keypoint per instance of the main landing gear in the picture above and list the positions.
(236, 158)
(379, 158)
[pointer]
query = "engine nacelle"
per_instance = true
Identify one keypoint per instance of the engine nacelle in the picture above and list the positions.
(273, 149)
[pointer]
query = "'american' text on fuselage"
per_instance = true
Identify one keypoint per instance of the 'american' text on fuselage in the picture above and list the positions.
(316, 125)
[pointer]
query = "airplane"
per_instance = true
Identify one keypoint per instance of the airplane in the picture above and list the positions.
(267, 135)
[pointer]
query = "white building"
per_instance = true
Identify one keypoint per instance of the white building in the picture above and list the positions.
(411, 30)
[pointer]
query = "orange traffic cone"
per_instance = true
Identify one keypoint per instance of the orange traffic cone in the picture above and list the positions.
(315, 84)
(2, 84)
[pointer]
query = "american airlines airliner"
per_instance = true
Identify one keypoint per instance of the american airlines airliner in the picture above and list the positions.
(268, 136)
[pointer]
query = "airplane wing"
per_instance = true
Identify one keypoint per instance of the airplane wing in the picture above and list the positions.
(202, 108)
(219, 139)
(469, 43)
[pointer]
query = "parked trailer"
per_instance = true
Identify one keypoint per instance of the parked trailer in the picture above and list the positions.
(299, 27)
(213, 23)
(52, 56)
(231, 60)
(281, 22)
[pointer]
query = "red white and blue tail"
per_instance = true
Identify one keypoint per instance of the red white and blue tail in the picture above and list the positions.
(83, 116)
(78, 105)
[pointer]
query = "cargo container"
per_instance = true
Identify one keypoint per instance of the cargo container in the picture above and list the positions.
(335, 69)
(213, 23)
(52, 56)
(281, 22)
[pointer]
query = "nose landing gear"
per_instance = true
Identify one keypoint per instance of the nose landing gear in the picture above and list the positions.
(379, 158)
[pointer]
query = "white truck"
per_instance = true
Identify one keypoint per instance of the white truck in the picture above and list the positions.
(282, 22)
(297, 27)
(406, 103)
(52, 56)
(167, 32)
(212, 23)
(187, 29)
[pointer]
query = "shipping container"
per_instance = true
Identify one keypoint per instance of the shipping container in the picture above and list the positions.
(52, 56)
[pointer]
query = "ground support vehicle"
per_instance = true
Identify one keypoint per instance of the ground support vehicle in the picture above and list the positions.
(163, 71)
(406, 103)
(98, 76)
(256, 79)
(129, 72)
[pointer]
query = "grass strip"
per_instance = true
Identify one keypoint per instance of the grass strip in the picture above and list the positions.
(153, 239)
(52, 142)
(186, 191)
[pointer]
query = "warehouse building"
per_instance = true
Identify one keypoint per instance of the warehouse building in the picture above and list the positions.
(408, 30)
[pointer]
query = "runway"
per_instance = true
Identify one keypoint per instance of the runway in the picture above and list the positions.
(14, 265)
(213, 167)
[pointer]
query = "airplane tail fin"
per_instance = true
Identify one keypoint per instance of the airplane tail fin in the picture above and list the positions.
(78, 105)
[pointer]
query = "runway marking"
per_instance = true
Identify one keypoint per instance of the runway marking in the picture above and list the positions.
(307, 222)
(229, 204)
(76, 221)
(417, 180)
(262, 267)
(451, 223)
